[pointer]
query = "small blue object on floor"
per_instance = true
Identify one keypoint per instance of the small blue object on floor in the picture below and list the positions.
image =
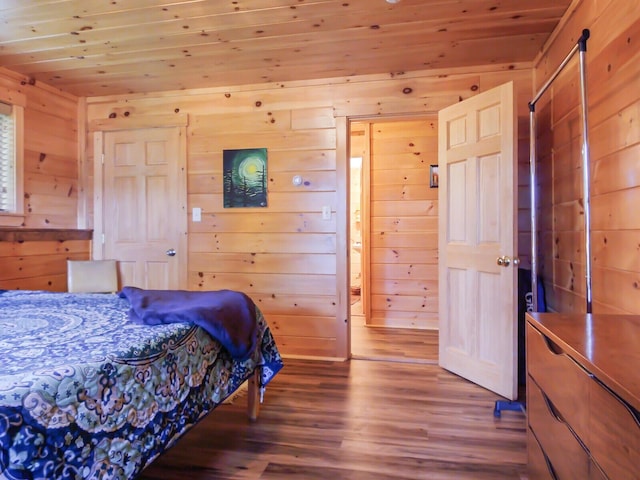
(507, 405)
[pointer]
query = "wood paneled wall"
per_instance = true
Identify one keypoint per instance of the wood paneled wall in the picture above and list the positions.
(613, 83)
(404, 224)
(285, 256)
(51, 144)
(36, 260)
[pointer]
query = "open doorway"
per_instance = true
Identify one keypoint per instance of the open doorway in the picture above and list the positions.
(358, 273)
(394, 239)
(358, 223)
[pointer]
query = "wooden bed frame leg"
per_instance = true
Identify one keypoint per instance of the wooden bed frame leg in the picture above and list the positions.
(253, 404)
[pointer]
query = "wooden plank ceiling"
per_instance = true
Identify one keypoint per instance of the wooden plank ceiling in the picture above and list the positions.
(105, 47)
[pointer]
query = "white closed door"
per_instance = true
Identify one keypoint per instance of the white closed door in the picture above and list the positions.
(477, 240)
(144, 217)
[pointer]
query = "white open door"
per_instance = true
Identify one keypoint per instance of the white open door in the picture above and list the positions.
(477, 240)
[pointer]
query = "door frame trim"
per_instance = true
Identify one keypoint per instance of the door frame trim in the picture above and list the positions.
(179, 121)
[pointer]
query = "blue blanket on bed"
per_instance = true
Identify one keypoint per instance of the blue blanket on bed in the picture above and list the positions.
(85, 393)
(228, 316)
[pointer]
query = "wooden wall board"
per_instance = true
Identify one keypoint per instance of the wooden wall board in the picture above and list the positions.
(616, 171)
(303, 324)
(257, 222)
(304, 284)
(608, 245)
(289, 263)
(39, 263)
(291, 305)
(620, 78)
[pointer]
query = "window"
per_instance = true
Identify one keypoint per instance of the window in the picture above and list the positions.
(7, 159)
(11, 189)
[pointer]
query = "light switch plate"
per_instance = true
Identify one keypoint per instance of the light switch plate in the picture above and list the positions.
(196, 214)
(326, 212)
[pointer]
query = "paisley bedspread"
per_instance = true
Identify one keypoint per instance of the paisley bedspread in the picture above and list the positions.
(84, 393)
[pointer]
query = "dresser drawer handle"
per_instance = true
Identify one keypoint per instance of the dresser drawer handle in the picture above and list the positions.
(547, 462)
(558, 351)
(552, 409)
(558, 416)
(551, 345)
(632, 411)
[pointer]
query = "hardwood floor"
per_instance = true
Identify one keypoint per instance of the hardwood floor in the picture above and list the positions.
(391, 344)
(355, 420)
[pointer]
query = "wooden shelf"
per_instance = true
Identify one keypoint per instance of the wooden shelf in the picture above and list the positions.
(42, 234)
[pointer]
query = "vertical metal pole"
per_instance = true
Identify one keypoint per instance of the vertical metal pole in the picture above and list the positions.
(534, 206)
(586, 165)
(581, 47)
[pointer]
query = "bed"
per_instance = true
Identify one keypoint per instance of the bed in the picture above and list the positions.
(85, 392)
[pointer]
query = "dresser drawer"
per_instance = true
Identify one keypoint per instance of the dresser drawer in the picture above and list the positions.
(537, 465)
(596, 474)
(615, 434)
(563, 381)
(569, 460)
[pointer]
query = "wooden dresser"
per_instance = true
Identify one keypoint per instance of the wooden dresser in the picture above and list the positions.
(583, 396)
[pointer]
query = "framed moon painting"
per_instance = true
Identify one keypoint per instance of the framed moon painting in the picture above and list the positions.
(245, 177)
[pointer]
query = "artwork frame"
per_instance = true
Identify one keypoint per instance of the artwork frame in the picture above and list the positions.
(434, 178)
(244, 178)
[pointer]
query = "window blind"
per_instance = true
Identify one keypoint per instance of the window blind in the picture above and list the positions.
(7, 159)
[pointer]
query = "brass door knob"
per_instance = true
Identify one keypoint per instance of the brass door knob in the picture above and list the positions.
(503, 261)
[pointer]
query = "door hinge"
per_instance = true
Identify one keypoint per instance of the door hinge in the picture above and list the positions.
(102, 159)
(102, 239)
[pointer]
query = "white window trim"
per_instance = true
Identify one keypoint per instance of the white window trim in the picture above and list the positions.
(17, 101)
